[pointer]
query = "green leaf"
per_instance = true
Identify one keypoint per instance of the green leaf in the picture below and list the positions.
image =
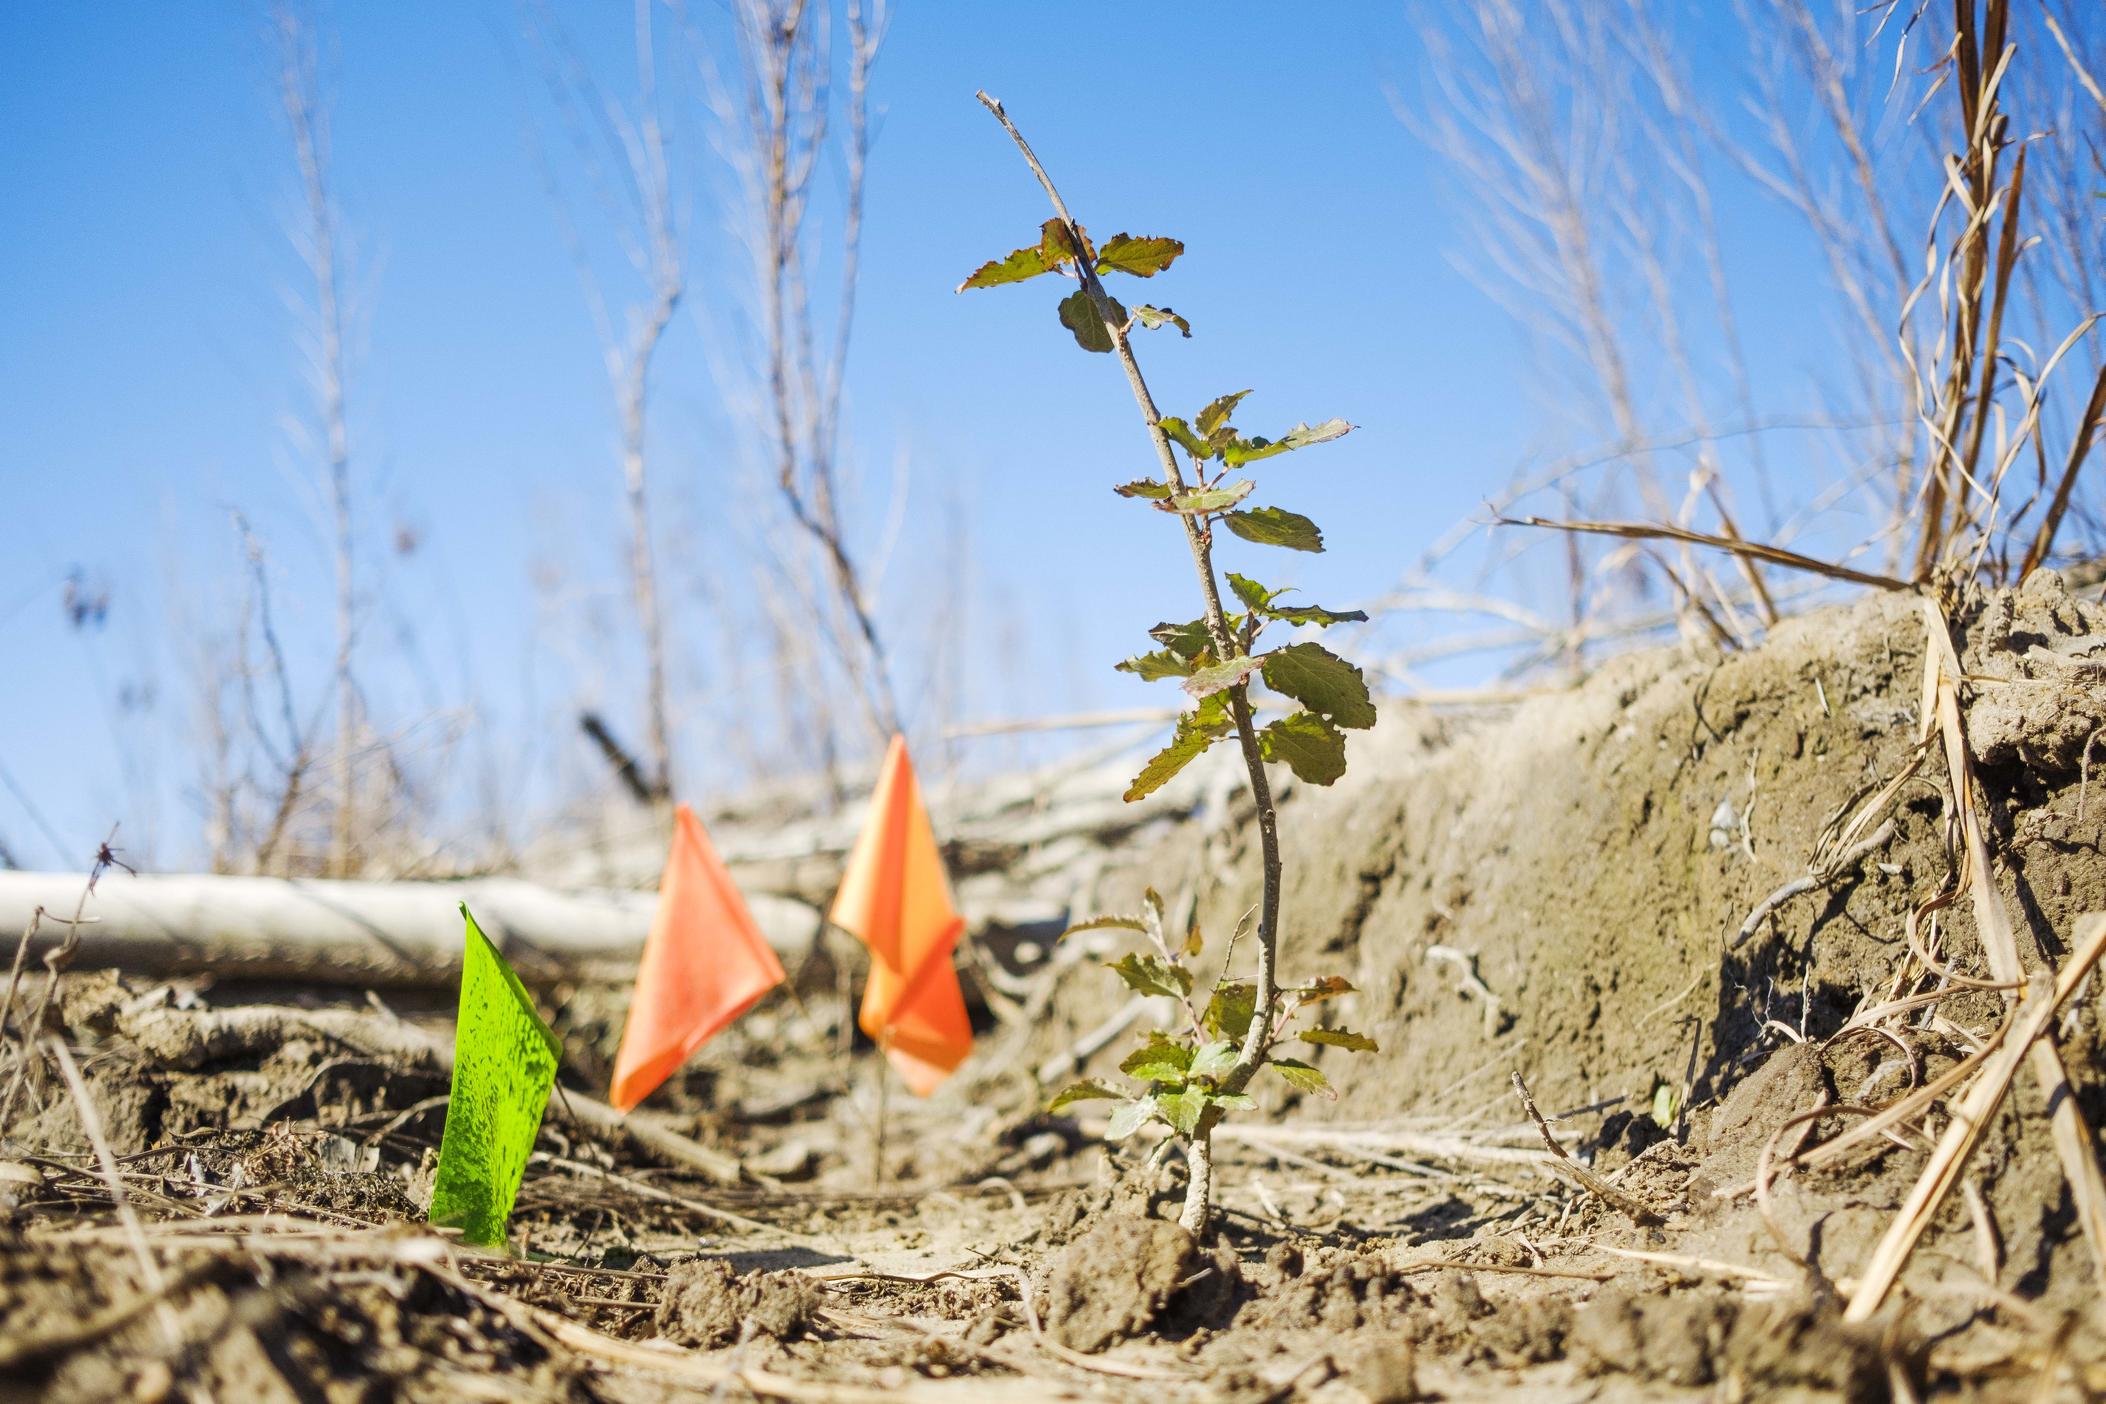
(1151, 975)
(1144, 258)
(1196, 730)
(1160, 1059)
(1144, 487)
(1254, 596)
(1083, 1092)
(1155, 666)
(1667, 1105)
(1321, 681)
(1300, 1075)
(1233, 1101)
(1012, 268)
(1181, 434)
(1079, 315)
(1153, 317)
(1308, 745)
(1187, 640)
(1106, 923)
(1218, 411)
(1229, 1012)
(1154, 902)
(1330, 987)
(1129, 1117)
(1198, 501)
(1270, 526)
(1340, 1038)
(1054, 245)
(1300, 436)
(1212, 1060)
(1260, 600)
(1322, 618)
(1219, 677)
(1183, 1109)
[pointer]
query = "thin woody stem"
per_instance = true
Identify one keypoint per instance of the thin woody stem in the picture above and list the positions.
(1199, 538)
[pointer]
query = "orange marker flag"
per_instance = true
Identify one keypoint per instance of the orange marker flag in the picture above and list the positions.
(704, 964)
(896, 900)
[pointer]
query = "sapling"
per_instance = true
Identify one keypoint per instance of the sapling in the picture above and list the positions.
(1189, 1078)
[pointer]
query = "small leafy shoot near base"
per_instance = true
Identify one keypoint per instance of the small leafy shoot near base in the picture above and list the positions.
(1187, 1071)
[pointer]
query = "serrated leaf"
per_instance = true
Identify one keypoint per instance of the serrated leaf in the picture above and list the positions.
(1330, 987)
(1153, 667)
(1144, 487)
(1153, 900)
(1129, 1117)
(1010, 268)
(1160, 1059)
(1218, 411)
(1084, 1092)
(1219, 677)
(1153, 317)
(1322, 682)
(1308, 745)
(1181, 434)
(1341, 1038)
(1196, 730)
(1299, 437)
(1272, 526)
(1183, 1109)
(1300, 1075)
(1322, 618)
(1197, 501)
(1143, 258)
(1229, 1012)
(1057, 247)
(1212, 1059)
(1112, 922)
(1259, 600)
(1151, 975)
(1187, 640)
(1254, 596)
(1079, 315)
(1234, 1101)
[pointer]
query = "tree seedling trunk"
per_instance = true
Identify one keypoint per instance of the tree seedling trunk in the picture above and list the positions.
(1193, 1078)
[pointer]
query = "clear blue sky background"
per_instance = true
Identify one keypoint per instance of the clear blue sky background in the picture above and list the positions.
(146, 357)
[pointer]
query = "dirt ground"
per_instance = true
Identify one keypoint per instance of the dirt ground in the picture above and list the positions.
(1559, 891)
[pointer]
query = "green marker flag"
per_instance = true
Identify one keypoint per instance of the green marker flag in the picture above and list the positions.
(504, 1063)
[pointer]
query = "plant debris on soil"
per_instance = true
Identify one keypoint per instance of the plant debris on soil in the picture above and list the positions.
(230, 1205)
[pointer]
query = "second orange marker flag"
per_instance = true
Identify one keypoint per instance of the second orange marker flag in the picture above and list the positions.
(704, 964)
(896, 900)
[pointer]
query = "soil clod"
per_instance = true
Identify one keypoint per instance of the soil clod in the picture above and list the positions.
(707, 1304)
(1116, 1279)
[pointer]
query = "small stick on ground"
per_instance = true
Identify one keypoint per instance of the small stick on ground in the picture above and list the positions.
(1589, 1181)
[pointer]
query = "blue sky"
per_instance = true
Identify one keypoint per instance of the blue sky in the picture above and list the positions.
(147, 365)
